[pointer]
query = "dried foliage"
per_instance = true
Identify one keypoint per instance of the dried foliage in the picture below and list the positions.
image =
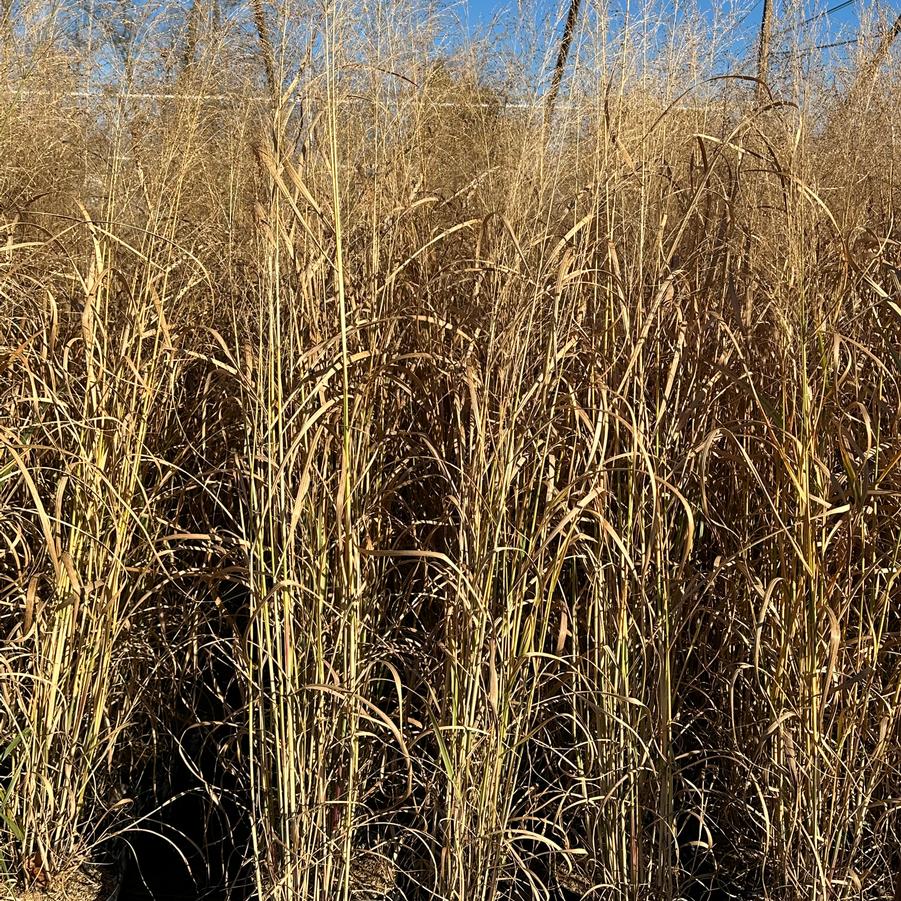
(474, 506)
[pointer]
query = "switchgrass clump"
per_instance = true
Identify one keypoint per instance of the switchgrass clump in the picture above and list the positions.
(455, 493)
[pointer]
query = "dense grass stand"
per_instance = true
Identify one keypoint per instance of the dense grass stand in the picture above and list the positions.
(414, 489)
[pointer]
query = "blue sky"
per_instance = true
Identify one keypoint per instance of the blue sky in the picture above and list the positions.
(840, 24)
(481, 11)
(824, 29)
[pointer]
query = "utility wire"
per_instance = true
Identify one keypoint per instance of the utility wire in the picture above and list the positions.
(825, 12)
(833, 9)
(829, 46)
(744, 18)
(847, 43)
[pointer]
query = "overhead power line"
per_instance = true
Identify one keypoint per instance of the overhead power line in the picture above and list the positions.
(824, 12)
(829, 46)
(805, 51)
(745, 17)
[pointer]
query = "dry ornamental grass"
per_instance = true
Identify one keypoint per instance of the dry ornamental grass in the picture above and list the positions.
(412, 488)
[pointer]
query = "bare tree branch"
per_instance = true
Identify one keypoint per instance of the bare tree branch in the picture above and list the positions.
(569, 29)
